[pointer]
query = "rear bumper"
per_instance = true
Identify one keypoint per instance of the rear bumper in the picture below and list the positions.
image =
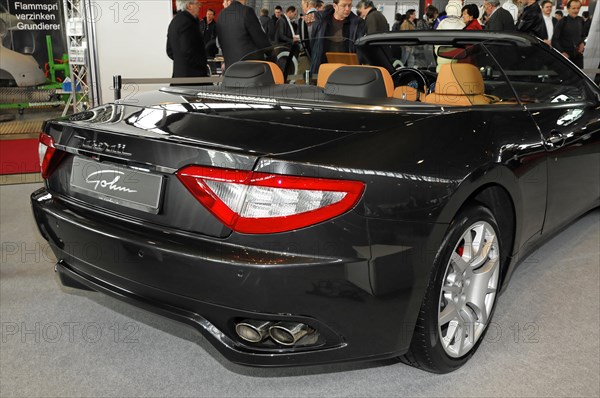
(211, 284)
(231, 349)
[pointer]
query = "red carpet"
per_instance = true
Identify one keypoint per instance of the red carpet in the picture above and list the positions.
(19, 156)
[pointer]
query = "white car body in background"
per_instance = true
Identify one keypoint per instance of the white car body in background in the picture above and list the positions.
(22, 68)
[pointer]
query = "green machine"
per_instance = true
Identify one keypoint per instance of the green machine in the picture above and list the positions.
(49, 94)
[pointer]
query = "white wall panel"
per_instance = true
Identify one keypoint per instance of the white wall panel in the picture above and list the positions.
(131, 39)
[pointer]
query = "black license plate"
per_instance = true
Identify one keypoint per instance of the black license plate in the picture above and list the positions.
(113, 183)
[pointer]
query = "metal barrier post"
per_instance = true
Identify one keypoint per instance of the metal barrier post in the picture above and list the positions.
(117, 86)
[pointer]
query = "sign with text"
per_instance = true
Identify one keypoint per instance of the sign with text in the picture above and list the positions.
(36, 15)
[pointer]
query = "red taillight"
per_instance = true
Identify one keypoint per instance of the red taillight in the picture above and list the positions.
(260, 203)
(49, 156)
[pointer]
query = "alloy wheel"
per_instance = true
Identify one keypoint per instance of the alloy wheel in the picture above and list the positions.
(469, 289)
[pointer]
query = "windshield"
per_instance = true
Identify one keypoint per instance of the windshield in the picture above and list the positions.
(408, 68)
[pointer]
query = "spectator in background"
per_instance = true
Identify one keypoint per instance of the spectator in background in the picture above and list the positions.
(226, 3)
(408, 52)
(208, 26)
(397, 50)
(185, 45)
(428, 20)
(531, 20)
(264, 19)
(273, 23)
(375, 22)
(513, 8)
(398, 19)
(409, 20)
(320, 5)
(335, 29)
(425, 53)
(470, 13)
(441, 16)
(240, 34)
(497, 17)
(548, 20)
(558, 14)
(587, 23)
(568, 34)
(285, 31)
(309, 8)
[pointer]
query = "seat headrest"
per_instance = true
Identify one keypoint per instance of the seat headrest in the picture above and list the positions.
(459, 79)
(360, 81)
(325, 70)
(252, 74)
(460, 85)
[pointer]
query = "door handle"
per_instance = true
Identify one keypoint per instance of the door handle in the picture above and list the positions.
(555, 138)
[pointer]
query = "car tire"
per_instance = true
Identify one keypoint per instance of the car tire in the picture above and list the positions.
(460, 297)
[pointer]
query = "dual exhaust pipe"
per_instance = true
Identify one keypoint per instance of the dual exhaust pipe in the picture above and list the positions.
(284, 333)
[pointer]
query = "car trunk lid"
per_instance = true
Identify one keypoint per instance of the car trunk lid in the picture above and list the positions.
(145, 146)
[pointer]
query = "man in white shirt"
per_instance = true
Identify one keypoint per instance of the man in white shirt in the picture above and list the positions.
(285, 31)
(548, 20)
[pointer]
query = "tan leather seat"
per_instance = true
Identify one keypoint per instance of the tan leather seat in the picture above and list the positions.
(342, 58)
(458, 84)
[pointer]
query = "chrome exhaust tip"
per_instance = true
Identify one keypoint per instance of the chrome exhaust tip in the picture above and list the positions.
(288, 333)
(253, 330)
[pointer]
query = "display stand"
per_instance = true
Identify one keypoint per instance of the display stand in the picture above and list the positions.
(79, 18)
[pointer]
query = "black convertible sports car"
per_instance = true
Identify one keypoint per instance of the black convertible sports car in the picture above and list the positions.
(375, 212)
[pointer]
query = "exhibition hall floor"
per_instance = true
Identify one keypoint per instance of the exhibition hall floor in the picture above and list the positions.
(543, 342)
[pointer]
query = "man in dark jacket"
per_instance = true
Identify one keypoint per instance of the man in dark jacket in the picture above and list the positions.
(531, 20)
(286, 30)
(375, 21)
(335, 29)
(549, 21)
(568, 34)
(264, 19)
(185, 45)
(271, 26)
(240, 34)
(587, 23)
(558, 15)
(497, 17)
(208, 26)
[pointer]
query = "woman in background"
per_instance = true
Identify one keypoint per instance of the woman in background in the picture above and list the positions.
(470, 13)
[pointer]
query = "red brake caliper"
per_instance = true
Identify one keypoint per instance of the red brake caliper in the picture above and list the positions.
(460, 249)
